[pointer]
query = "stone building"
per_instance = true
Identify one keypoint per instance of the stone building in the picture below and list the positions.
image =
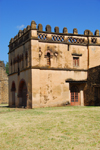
(51, 68)
(3, 84)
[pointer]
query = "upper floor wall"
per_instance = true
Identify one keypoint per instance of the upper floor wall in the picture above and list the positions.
(20, 58)
(58, 56)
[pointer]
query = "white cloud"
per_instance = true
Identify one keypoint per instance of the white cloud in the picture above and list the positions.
(20, 27)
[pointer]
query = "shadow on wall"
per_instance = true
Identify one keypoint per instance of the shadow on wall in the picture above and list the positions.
(92, 88)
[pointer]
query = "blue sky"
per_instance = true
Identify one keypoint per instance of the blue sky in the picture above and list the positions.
(17, 14)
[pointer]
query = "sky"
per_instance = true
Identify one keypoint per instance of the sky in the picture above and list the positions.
(15, 15)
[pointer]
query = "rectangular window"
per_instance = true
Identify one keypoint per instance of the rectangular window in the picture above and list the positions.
(75, 61)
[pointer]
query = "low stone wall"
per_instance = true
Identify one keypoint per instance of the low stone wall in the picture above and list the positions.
(3, 84)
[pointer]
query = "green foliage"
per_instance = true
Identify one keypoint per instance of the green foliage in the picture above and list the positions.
(7, 68)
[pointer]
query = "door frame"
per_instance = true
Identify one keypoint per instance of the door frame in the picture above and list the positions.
(74, 103)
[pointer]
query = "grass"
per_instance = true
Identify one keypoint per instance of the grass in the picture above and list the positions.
(57, 128)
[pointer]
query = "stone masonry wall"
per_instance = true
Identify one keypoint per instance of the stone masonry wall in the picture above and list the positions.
(3, 84)
(91, 89)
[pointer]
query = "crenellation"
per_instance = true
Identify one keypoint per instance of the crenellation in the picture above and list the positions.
(12, 40)
(19, 33)
(48, 28)
(40, 27)
(75, 31)
(45, 34)
(96, 33)
(56, 29)
(33, 24)
(88, 32)
(16, 37)
(65, 30)
(24, 30)
(28, 27)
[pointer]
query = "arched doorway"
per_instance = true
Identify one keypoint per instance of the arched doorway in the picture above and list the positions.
(74, 96)
(13, 89)
(22, 93)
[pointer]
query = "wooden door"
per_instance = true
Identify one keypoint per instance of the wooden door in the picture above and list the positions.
(74, 96)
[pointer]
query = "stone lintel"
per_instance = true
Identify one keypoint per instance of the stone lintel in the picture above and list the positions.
(75, 54)
(78, 82)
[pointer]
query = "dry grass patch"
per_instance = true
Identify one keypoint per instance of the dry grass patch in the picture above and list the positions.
(57, 128)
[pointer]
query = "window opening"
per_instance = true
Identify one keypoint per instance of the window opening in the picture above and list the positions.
(75, 61)
(48, 59)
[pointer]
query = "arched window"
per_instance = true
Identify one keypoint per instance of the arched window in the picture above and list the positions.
(48, 59)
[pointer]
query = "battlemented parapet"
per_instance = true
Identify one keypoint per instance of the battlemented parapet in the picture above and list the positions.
(49, 36)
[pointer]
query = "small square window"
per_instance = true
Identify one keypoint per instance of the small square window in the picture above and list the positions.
(76, 61)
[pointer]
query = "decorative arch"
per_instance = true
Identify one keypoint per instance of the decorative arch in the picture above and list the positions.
(74, 95)
(13, 89)
(22, 93)
(48, 51)
(48, 55)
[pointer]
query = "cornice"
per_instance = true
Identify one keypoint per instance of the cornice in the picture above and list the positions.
(51, 68)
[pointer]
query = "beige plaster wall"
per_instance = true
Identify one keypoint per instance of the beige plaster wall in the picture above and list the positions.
(64, 58)
(94, 56)
(34, 53)
(19, 51)
(26, 75)
(49, 87)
